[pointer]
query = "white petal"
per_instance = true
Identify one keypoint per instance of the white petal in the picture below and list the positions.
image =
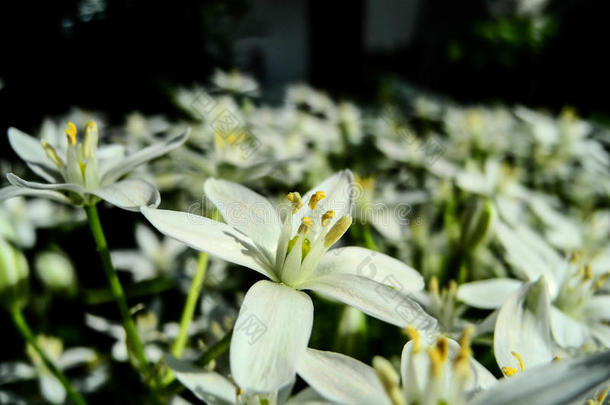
(19, 182)
(487, 294)
(307, 396)
(210, 236)
(30, 151)
(15, 371)
(14, 191)
(378, 300)
(341, 379)
(567, 332)
(51, 389)
(372, 265)
(133, 262)
(530, 255)
(130, 194)
(523, 327)
(75, 356)
(598, 307)
(387, 222)
(246, 211)
(126, 165)
(340, 193)
(558, 383)
(270, 336)
(601, 333)
(208, 386)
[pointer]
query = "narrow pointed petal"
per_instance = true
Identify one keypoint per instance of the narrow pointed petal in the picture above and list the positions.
(75, 356)
(523, 327)
(51, 388)
(487, 294)
(567, 331)
(30, 151)
(209, 236)
(14, 191)
(130, 194)
(246, 211)
(378, 300)
(598, 307)
(342, 379)
(559, 383)
(370, 264)
(270, 336)
(147, 240)
(340, 193)
(19, 182)
(126, 165)
(601, 333)
(208, 386)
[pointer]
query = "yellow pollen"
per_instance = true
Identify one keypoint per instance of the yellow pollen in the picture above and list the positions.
(557, 358)
(509, 371)
(52, 154)
(71, 132)
(239, 391)
(295, 200)
(305, 225)
(414, 336)
(315, 198)
(328, 215)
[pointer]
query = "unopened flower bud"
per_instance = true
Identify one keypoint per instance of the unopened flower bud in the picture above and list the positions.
(14, 272)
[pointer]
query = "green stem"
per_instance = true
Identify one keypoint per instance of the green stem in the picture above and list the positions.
(369, 241)
(27, 334)
(133, 339)
(215, 350)
(190, 305)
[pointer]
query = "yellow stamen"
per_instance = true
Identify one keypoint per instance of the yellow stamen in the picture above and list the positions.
(442, 344)
(434, 285)
(414, 336)
(337, 231)
(519, 359)
(71, 132)
(295, 200)
(90, 127)
(328, 215)
(315, 198)
(588, 273)
(305, 225)
(452, 286)
(461, 363)
(557, 358)
(52, 154)
(436, 361)
(509, 371)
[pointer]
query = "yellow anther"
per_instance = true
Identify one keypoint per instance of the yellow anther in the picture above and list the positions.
(315, 198)
(434, 285)
(71, 132)
(601, 280)
(436, 361)
(519, 359)
(442, 344)
(452, 286)
(90, 127)
(52, 154)
(465, 343)
(509, 371)
(601, 397)
(295, 200)
(557, 358)
(588, 273)
(305, 225)
(414, 336)
(328, 215)
(574, 257)
(238, 391)
(336, 232)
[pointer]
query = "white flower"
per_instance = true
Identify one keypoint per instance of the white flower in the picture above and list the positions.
(275, 321)
(235, 82)
(213, 388)
(444, 375)
(50, 387)
(577, 313)
(56, 271)
(429, 374)
(152, 259)
(84, 174)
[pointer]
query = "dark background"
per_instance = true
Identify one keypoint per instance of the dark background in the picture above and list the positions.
(120, 56)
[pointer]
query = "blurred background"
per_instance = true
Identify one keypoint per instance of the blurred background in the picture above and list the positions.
(118, 56)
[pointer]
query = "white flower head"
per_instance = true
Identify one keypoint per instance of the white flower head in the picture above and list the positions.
(275, 321)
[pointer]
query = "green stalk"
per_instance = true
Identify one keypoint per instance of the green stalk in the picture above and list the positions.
(22, 325)
(215, 350)
(190, 305)
(369, 241)
(133, 339)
